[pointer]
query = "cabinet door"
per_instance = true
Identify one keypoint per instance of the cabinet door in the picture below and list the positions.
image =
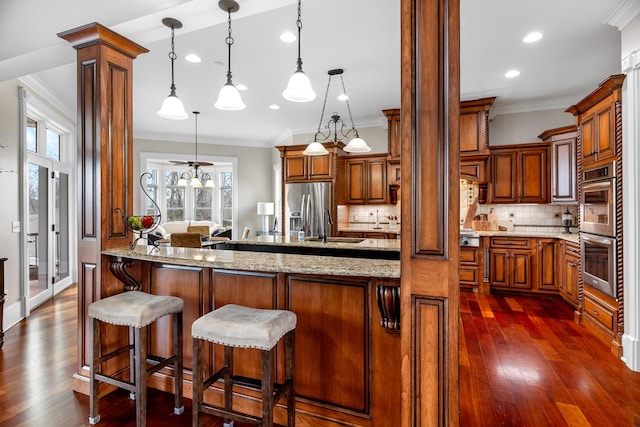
(295, 167)
(547, 279)
(533, 179)
(377, 181)
(473, 170)
(564, 175)
(356, 181)
(606, 142)
(393, 132)
(320, 167)
(587, 132)
(503, 177)
(499, 268)
(521, 270)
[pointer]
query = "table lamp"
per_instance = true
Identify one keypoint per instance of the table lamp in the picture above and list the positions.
(265, 209)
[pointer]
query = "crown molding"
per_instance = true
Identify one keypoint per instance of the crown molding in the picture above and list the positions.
(39, 88)
(625, 13)
(526, 107)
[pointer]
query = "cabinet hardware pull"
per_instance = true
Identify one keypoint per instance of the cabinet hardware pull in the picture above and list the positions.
(595, 312)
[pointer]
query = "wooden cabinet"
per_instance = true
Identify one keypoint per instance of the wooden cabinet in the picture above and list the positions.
(474, 139)
(393, 132)
(469, 267)
(368, 234)
(547, 255)
(599, 120)
(511, 262)
(296, 167)
(519, 174)
(365, 180)
(570, 272)
(564, 167)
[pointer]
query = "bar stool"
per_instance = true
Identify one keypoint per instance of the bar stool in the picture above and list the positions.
(136, 310)
(238, 326)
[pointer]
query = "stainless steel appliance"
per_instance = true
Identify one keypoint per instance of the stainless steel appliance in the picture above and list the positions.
(305, 207)
(597, 200)
(598, 261)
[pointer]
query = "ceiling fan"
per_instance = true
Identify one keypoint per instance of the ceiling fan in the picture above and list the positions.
(195, 177)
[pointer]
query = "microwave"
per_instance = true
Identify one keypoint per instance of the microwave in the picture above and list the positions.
(598, 262)
(598, 200)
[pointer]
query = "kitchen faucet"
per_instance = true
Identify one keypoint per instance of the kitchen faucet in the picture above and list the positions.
(326, 216)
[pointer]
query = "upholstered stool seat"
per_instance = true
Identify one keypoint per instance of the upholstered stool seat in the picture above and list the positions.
(136, 310)
(243, 327)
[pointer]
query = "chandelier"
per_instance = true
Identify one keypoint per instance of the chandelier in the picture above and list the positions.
(195, 177)
(355, 145)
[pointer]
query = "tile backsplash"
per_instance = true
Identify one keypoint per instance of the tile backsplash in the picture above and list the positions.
(525, 217)
(367, 213)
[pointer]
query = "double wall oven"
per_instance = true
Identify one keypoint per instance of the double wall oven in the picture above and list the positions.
(598, 228)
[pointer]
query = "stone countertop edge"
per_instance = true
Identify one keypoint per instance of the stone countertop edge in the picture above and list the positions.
(262, 261)
(354, 227)
(573, 237)
(390, 245)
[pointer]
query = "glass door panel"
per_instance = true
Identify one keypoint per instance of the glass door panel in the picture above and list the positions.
(61, 248)
(38, 233)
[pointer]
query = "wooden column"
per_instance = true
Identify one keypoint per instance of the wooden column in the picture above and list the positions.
(105, 182)
(430, 108)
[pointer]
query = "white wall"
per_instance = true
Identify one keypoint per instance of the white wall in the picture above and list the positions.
(630, 37)
(521, 128)
(255, 172)
(9, 185)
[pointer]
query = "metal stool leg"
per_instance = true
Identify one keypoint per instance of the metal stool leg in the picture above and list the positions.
(94, 338)
(177, 365)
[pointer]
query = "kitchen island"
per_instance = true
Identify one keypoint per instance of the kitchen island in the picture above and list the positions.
(347, 363)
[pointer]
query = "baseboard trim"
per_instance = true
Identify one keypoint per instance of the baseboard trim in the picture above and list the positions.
(631, 352)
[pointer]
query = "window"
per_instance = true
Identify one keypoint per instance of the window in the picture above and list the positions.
(184, 203)
(32, 135)
(53, 145)
(226, 198)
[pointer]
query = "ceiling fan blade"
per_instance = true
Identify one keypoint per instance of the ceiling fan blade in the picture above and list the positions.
(202, 164)
(178, 162)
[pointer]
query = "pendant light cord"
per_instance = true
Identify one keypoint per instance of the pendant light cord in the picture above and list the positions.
(324, 104)
(172, 56)
(299, 25)
(344, 90)
(229, 41)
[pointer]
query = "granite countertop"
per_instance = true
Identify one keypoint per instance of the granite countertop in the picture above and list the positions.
(262, 261)
(573, 237)
(332, 243)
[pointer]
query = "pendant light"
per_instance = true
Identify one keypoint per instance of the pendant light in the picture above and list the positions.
(299, 88)
(356, 145)
(229, 96)
(172, 107)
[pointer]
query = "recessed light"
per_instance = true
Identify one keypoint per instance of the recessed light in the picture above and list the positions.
(343, 97)
(192, 57)
(532, 37)
(288, 37)
(218, 63)
(274, 106)
(512, 73)
(240, 86)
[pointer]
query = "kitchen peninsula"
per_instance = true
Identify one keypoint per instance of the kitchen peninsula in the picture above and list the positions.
(347, 341)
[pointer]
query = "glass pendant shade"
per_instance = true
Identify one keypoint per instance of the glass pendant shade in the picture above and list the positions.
(173, 109)
(315, 149)
(229, 98)
(195, 182)
(299, 88)
(209, 184)
(357, 145)
(182, 182)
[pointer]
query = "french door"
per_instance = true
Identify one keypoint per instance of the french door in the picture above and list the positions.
(47, 230)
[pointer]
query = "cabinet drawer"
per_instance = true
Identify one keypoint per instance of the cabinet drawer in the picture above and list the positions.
(511, 243)
(598, 312)
(468, 276)
(469, 256)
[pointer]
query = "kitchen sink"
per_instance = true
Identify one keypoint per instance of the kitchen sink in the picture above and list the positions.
(337, 239)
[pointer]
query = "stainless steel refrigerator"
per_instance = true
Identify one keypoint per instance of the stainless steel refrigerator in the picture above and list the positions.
(305, 207)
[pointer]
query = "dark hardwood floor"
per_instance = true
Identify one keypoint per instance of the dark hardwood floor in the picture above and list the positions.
(523, 362)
